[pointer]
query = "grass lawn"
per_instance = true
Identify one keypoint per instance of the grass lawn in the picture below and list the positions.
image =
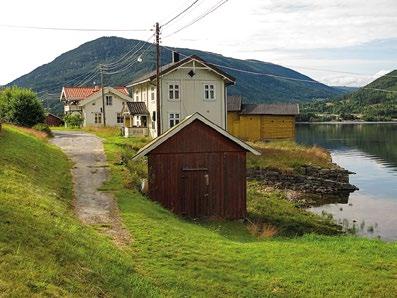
(44, 250)
(223, 259)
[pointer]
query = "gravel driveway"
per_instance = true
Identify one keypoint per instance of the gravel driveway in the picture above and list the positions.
(92, 206)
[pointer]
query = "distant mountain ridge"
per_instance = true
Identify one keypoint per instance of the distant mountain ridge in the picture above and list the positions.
(376, 101)
(50, 77)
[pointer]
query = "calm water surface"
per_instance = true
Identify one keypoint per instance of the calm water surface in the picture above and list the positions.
(369, 150)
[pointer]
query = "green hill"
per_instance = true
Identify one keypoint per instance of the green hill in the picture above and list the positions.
(256, 88)
(376, 101)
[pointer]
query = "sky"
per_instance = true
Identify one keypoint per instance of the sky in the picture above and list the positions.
(345, 43)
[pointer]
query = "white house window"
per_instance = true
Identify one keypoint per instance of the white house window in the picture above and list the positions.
(173, 119)
(144, 95)
(98, 118)
(119, 118)
(173, 91)
(109, 100)
(136, 95)
(151, 93)
(209, 92)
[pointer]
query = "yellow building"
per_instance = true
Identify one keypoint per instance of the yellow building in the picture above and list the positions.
(254, 122)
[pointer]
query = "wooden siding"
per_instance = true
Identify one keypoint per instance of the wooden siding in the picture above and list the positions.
(261, 127)
(51, 120)
(199, 173)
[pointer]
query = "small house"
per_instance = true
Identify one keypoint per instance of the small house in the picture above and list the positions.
(197, 169)
(95, 110)
(53, 120)
(256, 122)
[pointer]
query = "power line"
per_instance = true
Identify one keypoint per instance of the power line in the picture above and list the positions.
(126, 67)
(179, 14)
(72, 29)
(120, 61)
(212, 9)
(277, 76)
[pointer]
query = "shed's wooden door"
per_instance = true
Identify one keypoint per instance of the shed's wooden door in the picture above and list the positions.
(195, 197)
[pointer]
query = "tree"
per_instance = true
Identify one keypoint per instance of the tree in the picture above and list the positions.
(20, 106)
(73, 120)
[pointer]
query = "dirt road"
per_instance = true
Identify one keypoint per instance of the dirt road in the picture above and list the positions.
(92, 206)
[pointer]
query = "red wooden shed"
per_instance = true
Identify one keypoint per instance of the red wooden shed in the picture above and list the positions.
(197, 169)
(53, 120)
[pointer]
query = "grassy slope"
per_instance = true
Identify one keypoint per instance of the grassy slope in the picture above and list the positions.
(222, 259)
(44, 250)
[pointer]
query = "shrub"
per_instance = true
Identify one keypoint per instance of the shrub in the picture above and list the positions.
(20, 106)
(44, 128)
(73, 120)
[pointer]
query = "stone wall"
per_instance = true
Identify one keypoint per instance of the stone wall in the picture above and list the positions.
(306, 179)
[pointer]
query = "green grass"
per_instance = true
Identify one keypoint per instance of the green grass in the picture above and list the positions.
(44, 250)
(223, 259)
(287, 156)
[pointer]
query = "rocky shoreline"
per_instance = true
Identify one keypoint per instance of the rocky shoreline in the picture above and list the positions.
(307, 185)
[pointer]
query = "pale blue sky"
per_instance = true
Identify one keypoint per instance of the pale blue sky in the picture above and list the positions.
(351, 36)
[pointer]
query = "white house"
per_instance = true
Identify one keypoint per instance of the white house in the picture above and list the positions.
(187, 86)
(88, 102)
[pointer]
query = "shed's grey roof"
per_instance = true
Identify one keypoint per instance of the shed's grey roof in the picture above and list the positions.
(137, 108)
(270, 109)
(233, 103)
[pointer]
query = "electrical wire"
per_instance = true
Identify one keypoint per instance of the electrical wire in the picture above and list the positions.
(120, 61)
(211, 10)
(275, 76)
(72, 29)
(179, 14)
(131, 63)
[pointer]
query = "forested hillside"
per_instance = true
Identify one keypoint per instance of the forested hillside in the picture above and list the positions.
(73, 66)
(376, 101)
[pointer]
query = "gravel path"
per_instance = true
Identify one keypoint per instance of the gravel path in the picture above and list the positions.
(92, 206)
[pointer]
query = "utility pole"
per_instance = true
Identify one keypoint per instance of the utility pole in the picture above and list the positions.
(158, 104)
(103, 96)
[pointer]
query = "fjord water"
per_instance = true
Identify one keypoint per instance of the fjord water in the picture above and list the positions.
(369, 150)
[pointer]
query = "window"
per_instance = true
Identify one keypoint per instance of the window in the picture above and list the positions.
(209, 92)
(119, 118)
(109, 100)
(173, 91)
(144, 95)
(173, 119)
(98, 118)
(151, 93)
(136, 95)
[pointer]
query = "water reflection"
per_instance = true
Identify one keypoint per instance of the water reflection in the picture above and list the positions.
(369, 150)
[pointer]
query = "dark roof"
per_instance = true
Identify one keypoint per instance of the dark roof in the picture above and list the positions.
(137, 108)
(171, 66)
(270, 109)
(52, 115)
(233, 103)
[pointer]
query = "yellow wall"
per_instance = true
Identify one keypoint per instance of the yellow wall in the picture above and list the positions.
(261, 127)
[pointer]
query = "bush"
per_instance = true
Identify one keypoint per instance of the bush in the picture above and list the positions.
(73, 120)
(44, 128)
(20, 106)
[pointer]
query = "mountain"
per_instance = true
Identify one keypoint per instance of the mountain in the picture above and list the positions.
(346, 89)
(375, 101)
(71, 67)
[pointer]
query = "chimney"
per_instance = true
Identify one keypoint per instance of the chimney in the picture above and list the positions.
(175, 56)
